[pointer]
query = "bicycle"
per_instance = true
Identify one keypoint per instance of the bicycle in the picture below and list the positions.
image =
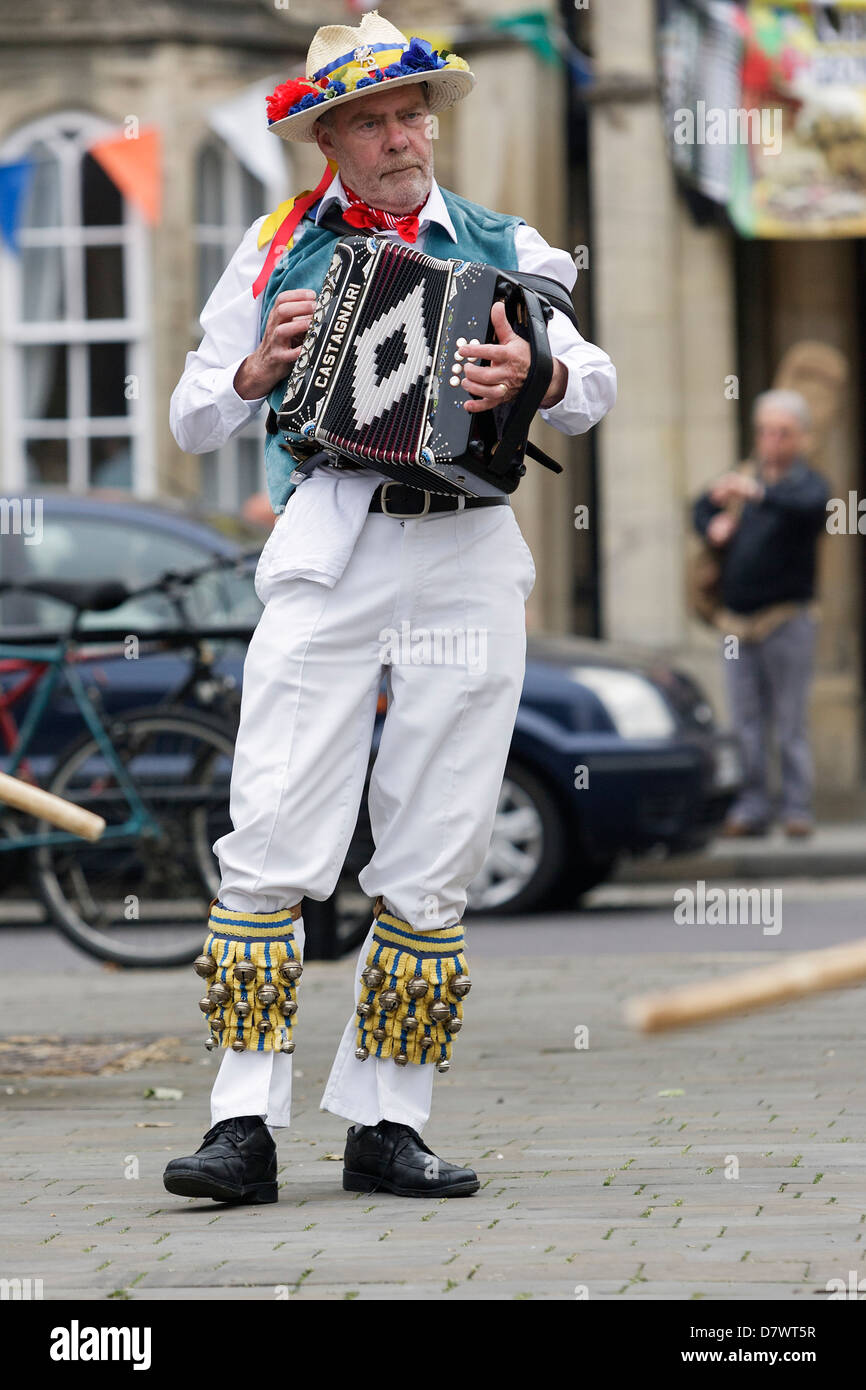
(75, 883)
(160, 779)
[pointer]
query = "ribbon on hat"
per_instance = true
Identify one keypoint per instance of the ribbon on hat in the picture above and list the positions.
(282, 238)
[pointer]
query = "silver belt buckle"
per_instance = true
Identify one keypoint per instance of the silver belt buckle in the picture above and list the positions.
(404, 516)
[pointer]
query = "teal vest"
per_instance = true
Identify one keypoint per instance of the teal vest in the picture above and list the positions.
(482, 235)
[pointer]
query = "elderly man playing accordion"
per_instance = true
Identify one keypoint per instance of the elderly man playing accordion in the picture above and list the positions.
(352, 557)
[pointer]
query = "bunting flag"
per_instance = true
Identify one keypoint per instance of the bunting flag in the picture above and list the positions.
(15, 180)
(134, 165)
(535, 28)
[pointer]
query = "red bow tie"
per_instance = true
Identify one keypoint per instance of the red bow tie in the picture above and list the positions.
(360, 214)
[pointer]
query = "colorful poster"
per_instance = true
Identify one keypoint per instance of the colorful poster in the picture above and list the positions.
(783, 145)
(804, 70)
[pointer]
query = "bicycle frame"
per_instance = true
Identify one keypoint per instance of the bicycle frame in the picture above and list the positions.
(60, 672)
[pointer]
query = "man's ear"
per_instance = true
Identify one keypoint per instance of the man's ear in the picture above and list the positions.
(325, 140)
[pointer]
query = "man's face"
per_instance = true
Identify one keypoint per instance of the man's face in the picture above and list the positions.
(383, 146)
(778, 437)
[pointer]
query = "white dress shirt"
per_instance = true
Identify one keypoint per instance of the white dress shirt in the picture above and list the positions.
(206, 411)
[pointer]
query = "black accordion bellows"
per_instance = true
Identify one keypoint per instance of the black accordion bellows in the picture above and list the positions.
(379, 378)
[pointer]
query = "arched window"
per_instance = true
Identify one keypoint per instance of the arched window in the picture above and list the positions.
(75, 335)
(228, 199)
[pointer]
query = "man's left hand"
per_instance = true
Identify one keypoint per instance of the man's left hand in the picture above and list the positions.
(509, 359)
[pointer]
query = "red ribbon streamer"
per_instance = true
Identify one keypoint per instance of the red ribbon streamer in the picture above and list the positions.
(284, 232)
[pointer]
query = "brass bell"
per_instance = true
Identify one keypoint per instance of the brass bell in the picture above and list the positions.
(264, 1025)
(244, 972)
(373, 976)
(287, 1045)
(288, 1008)
(410, 1023)
(379, 1034)
(417, 987)
(210, 1044)
(400, 1059)
(267, 995)
(460, 985)
(217, 1025)
(219, 994)
(388, 1000)
(205, 1005)
(291, 970)
(361, 1053)
(444, 1065)
(364, 1009)
(440, 1011)
(239, 1045)
(205, 966)
(427, 1040)
(455, 1025)
(243, 1008)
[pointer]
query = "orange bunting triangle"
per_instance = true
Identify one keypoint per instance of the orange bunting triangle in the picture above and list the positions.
(134, 166)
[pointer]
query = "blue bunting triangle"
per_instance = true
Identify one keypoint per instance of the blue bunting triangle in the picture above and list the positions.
(14, 186)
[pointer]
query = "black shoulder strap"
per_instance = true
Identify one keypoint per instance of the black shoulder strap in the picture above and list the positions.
(555, 293)
(332, 220)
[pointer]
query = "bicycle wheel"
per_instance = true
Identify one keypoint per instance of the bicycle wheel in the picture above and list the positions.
(142, 900)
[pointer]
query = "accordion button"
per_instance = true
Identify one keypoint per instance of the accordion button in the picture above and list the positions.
(454, 381)
(461, 342)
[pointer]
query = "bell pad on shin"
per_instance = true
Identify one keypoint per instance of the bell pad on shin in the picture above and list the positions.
(250, 966)
(412, 985)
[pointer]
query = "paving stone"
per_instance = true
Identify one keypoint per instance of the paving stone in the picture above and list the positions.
(591, 1178)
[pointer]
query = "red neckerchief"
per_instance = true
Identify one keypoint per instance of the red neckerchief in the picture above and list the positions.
(360, 214)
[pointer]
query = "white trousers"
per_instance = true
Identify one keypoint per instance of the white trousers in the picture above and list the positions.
(436, 603)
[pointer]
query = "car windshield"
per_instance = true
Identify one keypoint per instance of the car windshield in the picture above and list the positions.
(136, 550)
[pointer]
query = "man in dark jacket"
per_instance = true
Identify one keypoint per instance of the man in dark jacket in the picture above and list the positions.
(766, 527)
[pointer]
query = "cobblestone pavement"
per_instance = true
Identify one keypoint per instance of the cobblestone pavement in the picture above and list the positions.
(724, 1162)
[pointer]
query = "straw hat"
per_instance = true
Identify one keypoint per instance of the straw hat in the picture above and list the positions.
(345, 63)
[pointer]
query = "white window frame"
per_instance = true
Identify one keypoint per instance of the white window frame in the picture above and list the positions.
(75, 330)
(227, 236)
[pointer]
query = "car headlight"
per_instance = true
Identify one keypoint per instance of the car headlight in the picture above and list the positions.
(636, 708)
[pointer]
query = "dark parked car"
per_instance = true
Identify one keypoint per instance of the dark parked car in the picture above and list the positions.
(611, 752)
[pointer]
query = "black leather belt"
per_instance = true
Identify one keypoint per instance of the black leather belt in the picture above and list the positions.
(403, 501)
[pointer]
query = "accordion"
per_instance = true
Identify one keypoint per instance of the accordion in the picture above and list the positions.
(379, 379)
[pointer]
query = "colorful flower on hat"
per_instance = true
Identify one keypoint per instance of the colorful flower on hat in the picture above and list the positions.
(283, 98)
(293, 97)
(420, 57)
(352, 74)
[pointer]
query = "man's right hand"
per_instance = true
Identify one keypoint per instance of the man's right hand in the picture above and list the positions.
(288, 321)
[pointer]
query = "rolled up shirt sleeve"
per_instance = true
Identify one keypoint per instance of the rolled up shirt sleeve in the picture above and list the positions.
(205, 408)
(591, 389)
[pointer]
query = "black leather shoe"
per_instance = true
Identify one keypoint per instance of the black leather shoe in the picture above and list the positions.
(389, 1157)
(237, 1162)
